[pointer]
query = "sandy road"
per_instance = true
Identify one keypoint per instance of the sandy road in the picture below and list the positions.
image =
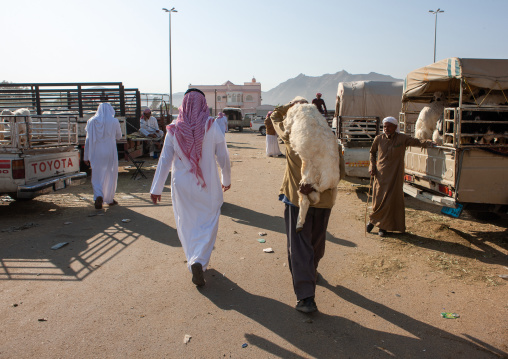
(122, 290)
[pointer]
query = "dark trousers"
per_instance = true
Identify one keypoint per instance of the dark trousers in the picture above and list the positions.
(305, 248)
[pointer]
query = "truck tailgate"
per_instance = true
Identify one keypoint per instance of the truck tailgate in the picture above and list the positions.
(483, 177)
(433, 163)
(477, 176)
(49, 165)
(357, 161)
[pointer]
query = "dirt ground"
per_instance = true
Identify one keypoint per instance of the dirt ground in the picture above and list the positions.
(122, 289)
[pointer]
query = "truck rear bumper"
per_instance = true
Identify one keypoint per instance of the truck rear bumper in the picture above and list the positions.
(51, 185)
(429, 197)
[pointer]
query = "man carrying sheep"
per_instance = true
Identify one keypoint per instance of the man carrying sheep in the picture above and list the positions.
(387, 168)
(305, 247)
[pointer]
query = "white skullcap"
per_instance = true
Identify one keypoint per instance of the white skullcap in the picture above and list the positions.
(392, 120)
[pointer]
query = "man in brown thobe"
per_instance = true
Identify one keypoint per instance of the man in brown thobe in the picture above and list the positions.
(387, 168)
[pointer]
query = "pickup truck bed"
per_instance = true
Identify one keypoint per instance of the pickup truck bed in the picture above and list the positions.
(471, 175)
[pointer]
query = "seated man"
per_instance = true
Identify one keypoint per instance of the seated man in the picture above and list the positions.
(149, 127)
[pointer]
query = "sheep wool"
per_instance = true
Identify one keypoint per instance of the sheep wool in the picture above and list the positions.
(427, 119)
(313, 140)
(22, 125)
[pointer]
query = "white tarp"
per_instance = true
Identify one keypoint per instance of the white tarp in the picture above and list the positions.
(445, 76)
(370, 98)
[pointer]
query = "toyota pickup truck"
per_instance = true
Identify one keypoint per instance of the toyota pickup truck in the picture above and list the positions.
(38, 155)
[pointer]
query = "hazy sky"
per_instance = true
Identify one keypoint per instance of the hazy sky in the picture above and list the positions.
(216, 41)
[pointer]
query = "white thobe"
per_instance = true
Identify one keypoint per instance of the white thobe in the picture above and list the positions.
(272, 146)
(103, 157)
(150, 126)
(196, 209)
(223, 123)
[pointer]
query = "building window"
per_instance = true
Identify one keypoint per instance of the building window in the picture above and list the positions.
(234, 98)
(218, 98)
(249, 98)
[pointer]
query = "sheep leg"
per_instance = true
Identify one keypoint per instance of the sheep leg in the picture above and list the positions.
(314, 197)
(303, 202)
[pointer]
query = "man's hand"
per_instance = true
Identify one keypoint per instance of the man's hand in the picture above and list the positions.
(87, 163)
(373, 171)
(306, 189)
(152, 135)
(155, 198)
(225, 188)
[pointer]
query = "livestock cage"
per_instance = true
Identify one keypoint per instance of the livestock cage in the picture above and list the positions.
(81, 99)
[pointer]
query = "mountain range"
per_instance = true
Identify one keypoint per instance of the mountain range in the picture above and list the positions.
(308, 86)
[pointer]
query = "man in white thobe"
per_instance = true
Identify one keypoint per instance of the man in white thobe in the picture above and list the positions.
(102, 132)
(193, 146)
(222, 120)
(149, 127)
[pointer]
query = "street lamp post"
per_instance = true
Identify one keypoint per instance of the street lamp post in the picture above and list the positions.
(435, 29)
(170, 77)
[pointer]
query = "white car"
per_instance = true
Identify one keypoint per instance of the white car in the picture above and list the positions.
(258, 124)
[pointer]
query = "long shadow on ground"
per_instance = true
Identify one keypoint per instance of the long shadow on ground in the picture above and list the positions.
(326, 336)
(94, 238)
(260, 220)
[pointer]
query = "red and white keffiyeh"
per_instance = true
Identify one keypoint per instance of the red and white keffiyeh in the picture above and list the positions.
(189, 130)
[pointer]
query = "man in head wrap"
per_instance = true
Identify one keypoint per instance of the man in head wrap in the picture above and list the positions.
(149, 127)
(272, 145)
(320, 104)
(387, 168)
(102, 132)
(193, 146)
(222, 121)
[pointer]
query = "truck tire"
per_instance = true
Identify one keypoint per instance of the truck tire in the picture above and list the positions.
(263, 131)
(240, 129)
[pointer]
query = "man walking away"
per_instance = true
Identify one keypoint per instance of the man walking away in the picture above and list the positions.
(222, 121)
(272, 144)
(193, 144)
(102, 132)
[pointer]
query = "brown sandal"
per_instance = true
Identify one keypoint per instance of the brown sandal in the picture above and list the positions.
(113, 203)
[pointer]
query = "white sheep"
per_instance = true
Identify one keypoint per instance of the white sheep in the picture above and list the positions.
(491, 99)
(22, 125)
(437, 136)
(313, 140)
(427, 119)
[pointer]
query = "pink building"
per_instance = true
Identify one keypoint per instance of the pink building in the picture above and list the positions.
(245, 97)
